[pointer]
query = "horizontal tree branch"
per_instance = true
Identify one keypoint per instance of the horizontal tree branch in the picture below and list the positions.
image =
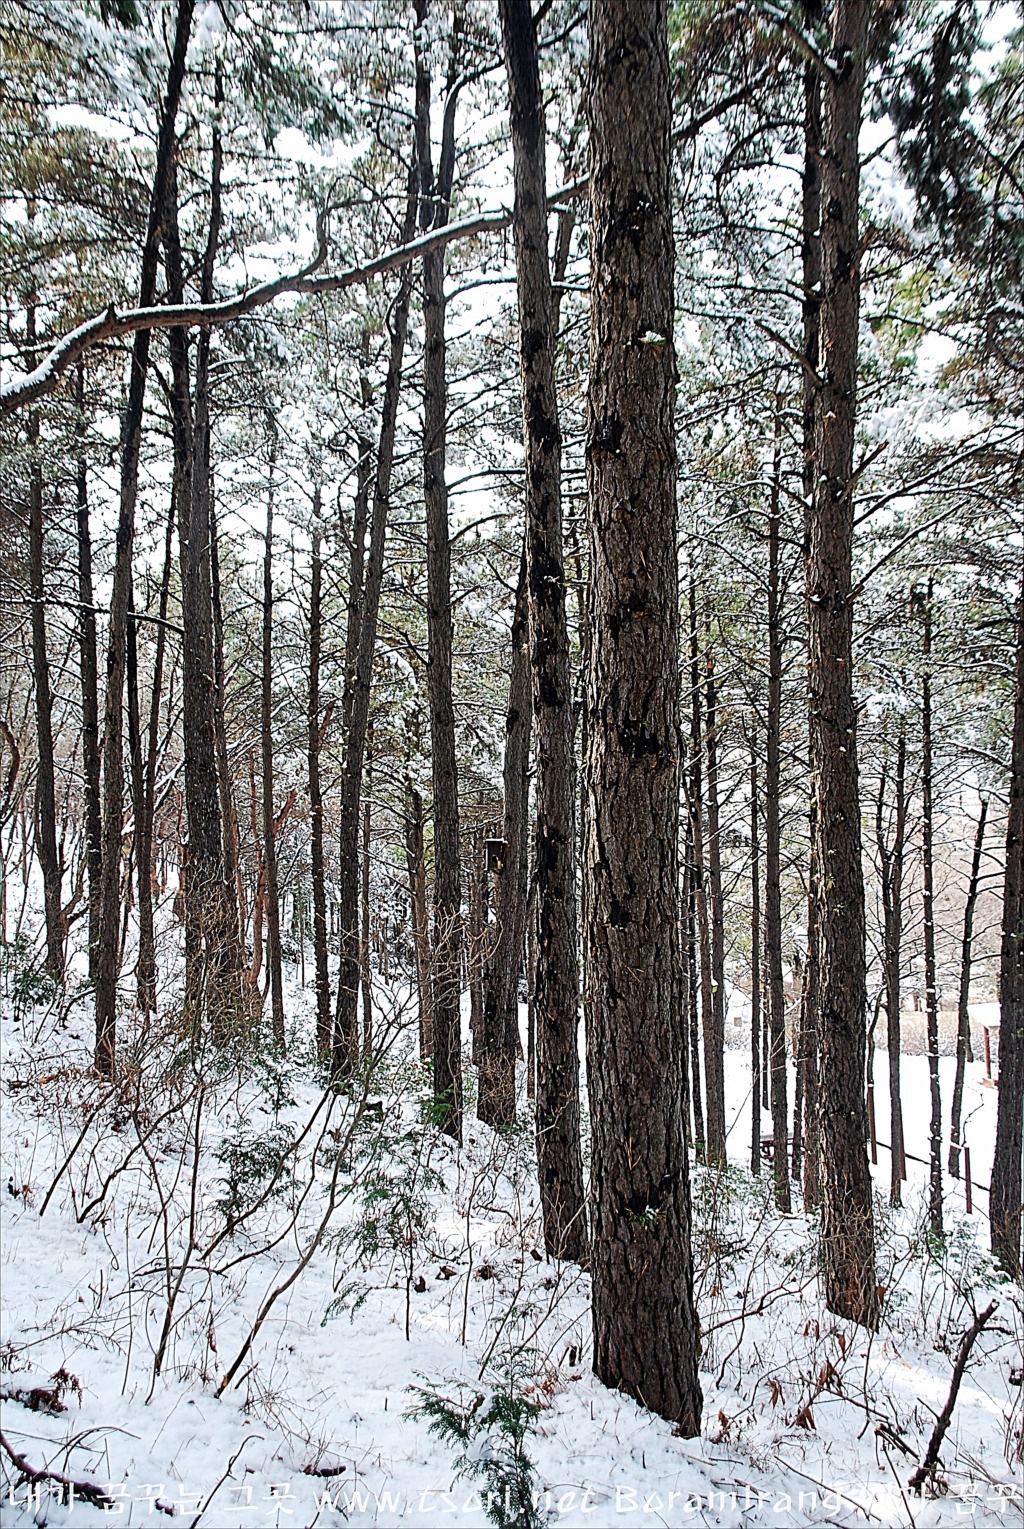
(110, 324)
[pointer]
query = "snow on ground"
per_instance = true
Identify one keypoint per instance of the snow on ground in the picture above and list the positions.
(431, 1275)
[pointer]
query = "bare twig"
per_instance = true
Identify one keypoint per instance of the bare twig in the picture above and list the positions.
(931, 1455)
(85, 1491)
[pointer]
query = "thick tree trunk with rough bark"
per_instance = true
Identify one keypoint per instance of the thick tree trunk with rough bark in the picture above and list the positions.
(1005, 1201)
(645, 1325)
(212, 946)
(108, 944)
(556, 980)
(963, 1026)
(847, 1229)
(500, 1030)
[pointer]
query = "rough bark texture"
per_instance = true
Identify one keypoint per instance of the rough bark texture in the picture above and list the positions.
(435, 194)
(89, 679)
(500, 1029)
(212, 947)
(645, 1326)
(847, 1230)
(316, 805)
(1006, 1167)
(131, 439)
(963, 1027)
(556, 980)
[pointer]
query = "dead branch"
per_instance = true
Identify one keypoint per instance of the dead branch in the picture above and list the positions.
(85, 1491)
(931, 1456)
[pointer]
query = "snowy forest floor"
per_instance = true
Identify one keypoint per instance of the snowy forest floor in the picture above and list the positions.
(361, 1279)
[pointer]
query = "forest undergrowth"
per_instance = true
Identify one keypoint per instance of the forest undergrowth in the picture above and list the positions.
(221, 1232)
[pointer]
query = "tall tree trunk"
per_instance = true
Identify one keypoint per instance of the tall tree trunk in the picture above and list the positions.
(46, 797)
(692, 995)
(755, 973)
(418, 911)
(231, 957)
(500, 1033)
(475, 953)
(131, 442)
(714, 1061)
(137, 771)
(89, 678)
(559, 1155)
(891, 860)
(1005, 1211)
(812, 1178)
(772, 852)
(316, 805)
(364, 939)
(847, 1229)
(212, 947)
(645, 1325)
(716, 903)
(273, 901)
(963, 1016)
(435, 196)
(810, 254)
(228, 815)
(931, 992)
(145, 971)
(356, 705)
(357, 545)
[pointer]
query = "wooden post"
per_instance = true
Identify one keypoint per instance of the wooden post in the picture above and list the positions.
(967, 1179)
